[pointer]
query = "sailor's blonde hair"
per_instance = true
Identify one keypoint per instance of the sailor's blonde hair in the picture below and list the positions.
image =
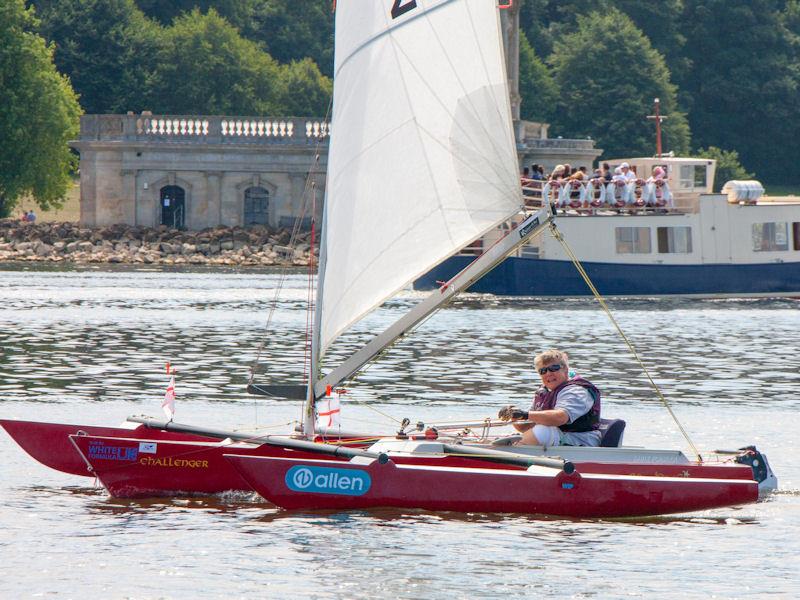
(551, 357)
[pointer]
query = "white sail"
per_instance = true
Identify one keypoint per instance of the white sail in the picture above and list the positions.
(422, 156)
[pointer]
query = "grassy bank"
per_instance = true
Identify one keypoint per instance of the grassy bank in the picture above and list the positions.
(70, 212)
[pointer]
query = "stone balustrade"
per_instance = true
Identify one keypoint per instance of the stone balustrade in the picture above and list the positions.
(204, 129)
(559, 144)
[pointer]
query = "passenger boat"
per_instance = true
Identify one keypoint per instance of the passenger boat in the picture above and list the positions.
(424, 164)
(678, 239)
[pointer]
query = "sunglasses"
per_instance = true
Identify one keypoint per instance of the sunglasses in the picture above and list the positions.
(551, 368)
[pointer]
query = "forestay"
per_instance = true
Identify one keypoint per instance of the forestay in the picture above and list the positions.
(422, 156)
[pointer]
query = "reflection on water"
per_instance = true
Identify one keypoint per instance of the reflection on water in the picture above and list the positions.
(90, 347)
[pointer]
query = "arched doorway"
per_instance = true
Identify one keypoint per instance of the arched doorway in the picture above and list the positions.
(256, 206)
(173, 206)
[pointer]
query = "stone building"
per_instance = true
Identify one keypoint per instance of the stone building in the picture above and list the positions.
(194, 172)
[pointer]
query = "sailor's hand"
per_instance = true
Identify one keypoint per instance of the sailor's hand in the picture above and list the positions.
(519, 415)
(507, 413)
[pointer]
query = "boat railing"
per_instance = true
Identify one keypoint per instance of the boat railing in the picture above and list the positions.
(598, 196)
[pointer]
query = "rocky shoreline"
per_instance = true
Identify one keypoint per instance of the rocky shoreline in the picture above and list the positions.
(225, 246)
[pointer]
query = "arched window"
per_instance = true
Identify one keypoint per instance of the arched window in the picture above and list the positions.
(256, 206)
(173, 206)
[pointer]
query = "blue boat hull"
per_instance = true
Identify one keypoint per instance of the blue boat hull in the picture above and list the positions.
(532, 277)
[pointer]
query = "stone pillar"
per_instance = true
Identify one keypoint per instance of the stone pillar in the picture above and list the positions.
(88, 188)
(128, 200)
(214, 205)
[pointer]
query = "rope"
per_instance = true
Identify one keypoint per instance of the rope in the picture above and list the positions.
(558, 236)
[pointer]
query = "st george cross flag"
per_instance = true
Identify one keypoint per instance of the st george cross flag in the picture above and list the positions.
(329, 412)
(169, 399)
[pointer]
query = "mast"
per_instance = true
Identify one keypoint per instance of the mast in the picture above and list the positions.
(657, 117)
(308, 408)
(531, 226)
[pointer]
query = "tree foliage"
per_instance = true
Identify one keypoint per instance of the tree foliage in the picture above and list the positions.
(292, 31)
(536, 85)
(237, 12)
(206, 67)
(608, 74)
(728, 166)
(305, 91)
(288, 31)
(106, 47)
(745, 80)
(38, 115)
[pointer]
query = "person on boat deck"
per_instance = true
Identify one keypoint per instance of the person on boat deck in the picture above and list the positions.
(565, 411)
(627, 172)
(658, 174)
(558, 173)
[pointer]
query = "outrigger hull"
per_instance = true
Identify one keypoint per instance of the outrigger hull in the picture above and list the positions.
(49, 443)
(140, 468)
(323, 484)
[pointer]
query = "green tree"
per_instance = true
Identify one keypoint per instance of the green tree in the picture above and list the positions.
(288, 31)
(206, 67)
(304, 90)
(105, 47)
(536, 85)
(745, 81)
(238, 13)
(294, 30)
(728, 166)
(546, 21)
(608, 74)
(38, 115)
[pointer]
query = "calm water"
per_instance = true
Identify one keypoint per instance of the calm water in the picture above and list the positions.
(90, 347)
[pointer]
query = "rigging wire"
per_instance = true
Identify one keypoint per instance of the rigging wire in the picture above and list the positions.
(558, 236)
(309, 184)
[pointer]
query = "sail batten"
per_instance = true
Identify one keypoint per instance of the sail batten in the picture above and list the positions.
(423, 160)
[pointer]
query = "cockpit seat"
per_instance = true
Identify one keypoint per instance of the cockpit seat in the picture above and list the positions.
(611, 431)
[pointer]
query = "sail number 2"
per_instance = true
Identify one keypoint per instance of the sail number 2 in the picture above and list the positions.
(399, 8)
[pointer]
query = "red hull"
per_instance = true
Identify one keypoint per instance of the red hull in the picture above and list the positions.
(49, 442)
(172, 468)
(296, 484)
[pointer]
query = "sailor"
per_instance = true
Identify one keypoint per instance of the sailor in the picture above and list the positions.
(565, 410)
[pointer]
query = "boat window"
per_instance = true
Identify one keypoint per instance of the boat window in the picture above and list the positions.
(633, 240)
(770, 237)
(796, 235)
(676, 240)
(693, 176)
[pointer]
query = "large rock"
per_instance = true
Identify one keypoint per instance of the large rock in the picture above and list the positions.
(56, 242)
